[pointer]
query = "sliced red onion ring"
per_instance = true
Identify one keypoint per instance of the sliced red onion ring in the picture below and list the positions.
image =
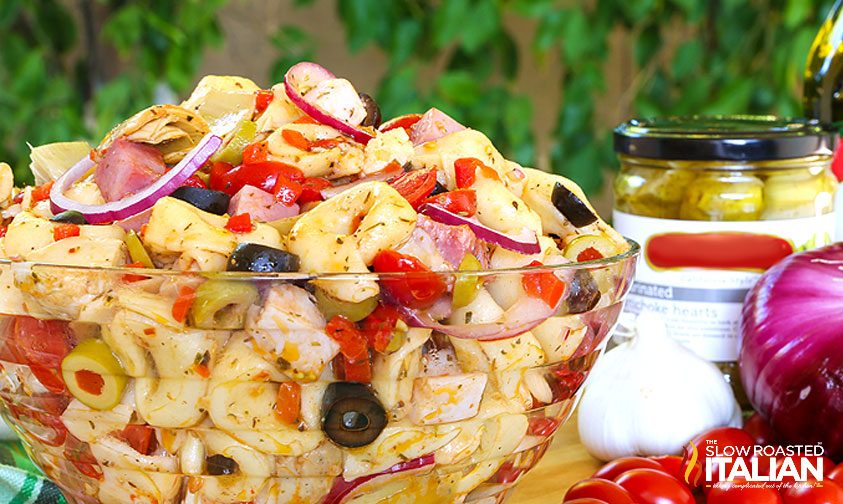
(484, 233)
(342, 488)
(134, 203)
(311, 74)
(381, 176)
(525, 314)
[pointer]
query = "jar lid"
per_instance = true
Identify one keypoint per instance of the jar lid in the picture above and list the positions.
(726, 138)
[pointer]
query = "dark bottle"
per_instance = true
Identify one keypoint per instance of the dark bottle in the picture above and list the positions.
(823, 94)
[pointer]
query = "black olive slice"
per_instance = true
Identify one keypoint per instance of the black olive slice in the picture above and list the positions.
(215, 202)
(262, 259)
(584, 293)
(351, 414)
(220, 465)
(571, 206)
(373, 111)
(438, 189)
(70, 217)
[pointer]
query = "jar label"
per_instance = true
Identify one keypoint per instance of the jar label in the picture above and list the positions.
(696, 274)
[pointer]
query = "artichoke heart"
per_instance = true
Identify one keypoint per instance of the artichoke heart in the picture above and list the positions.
(171, 129)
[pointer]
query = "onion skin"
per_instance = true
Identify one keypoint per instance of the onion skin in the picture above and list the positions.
(791, 360)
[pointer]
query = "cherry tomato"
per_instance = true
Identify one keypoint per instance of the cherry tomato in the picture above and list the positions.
(417, 288)
(508, 473)
(42, 344)
(263, 175)
(739, 492)
(352, 342)
(760, 430)
(542, 426)
(543, 285)
(825, 492)
(288, 402)
(140, 437)
(461, 201)
(708, 442)
(65, 230)
(672, 465)
(836, 474)
(262, 100)
(614, 468)
(651, 486)
(415, 185)
(594, 488)
(379, 325)
(311, 189)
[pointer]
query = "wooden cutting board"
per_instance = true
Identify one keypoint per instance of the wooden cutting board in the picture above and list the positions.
(565, 463)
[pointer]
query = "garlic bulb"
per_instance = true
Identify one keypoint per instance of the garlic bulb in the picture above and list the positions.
(650, 396)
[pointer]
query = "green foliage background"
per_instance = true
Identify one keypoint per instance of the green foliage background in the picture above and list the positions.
(738, 56)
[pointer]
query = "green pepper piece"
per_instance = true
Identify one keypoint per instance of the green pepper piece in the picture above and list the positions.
(466, 286)
(136, 250)
(232, 153)
(222, 304)
(355, 312)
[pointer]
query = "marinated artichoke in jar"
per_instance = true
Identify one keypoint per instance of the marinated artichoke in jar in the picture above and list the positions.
(653, 192)
(798, 194)
(723, 197)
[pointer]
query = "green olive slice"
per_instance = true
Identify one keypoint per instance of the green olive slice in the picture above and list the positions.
(93, 375)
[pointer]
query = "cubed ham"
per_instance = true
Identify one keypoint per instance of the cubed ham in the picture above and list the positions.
(453, 242)
(260, 205)
(126, 168)
(433, 124)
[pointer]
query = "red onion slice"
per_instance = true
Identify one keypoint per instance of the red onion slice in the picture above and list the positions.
(138, 202)
(342, 488)
(484, 233)
(307, 73)
(521, 317)
(381, 176)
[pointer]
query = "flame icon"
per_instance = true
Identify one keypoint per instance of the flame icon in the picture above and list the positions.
(692, 463)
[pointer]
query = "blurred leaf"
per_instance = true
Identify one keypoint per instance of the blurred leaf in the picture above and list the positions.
(483, 25)
(450, 19)
(688, 57)
(459, 87)
(796, 12)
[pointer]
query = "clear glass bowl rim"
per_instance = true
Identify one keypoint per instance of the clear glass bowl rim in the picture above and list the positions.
(633, 251)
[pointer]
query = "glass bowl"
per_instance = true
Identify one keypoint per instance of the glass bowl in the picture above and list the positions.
(204, 411)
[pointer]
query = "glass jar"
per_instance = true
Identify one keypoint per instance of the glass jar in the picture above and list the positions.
(715, 201)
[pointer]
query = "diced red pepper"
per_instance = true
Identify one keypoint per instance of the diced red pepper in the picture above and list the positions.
(379, 326)
(257, 152)
(416, 185)
(465, 171)
(305, 119)
(327, 143)
(543, 285)
(140, 437)
(3, 230)
(355, 371)
(288, 402)
(183, 303)
(461, 201)
(262, 100)
(351, 340)
(286, 190)
(589, 254)
(130, 277)
(417, 288)
(65, 230)
(194, 181)
(240, 223)
(42, 192)
(405, 122)
(295, 139)
(312, 189)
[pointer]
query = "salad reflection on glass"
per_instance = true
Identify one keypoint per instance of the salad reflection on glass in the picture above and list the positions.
(272, 296)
